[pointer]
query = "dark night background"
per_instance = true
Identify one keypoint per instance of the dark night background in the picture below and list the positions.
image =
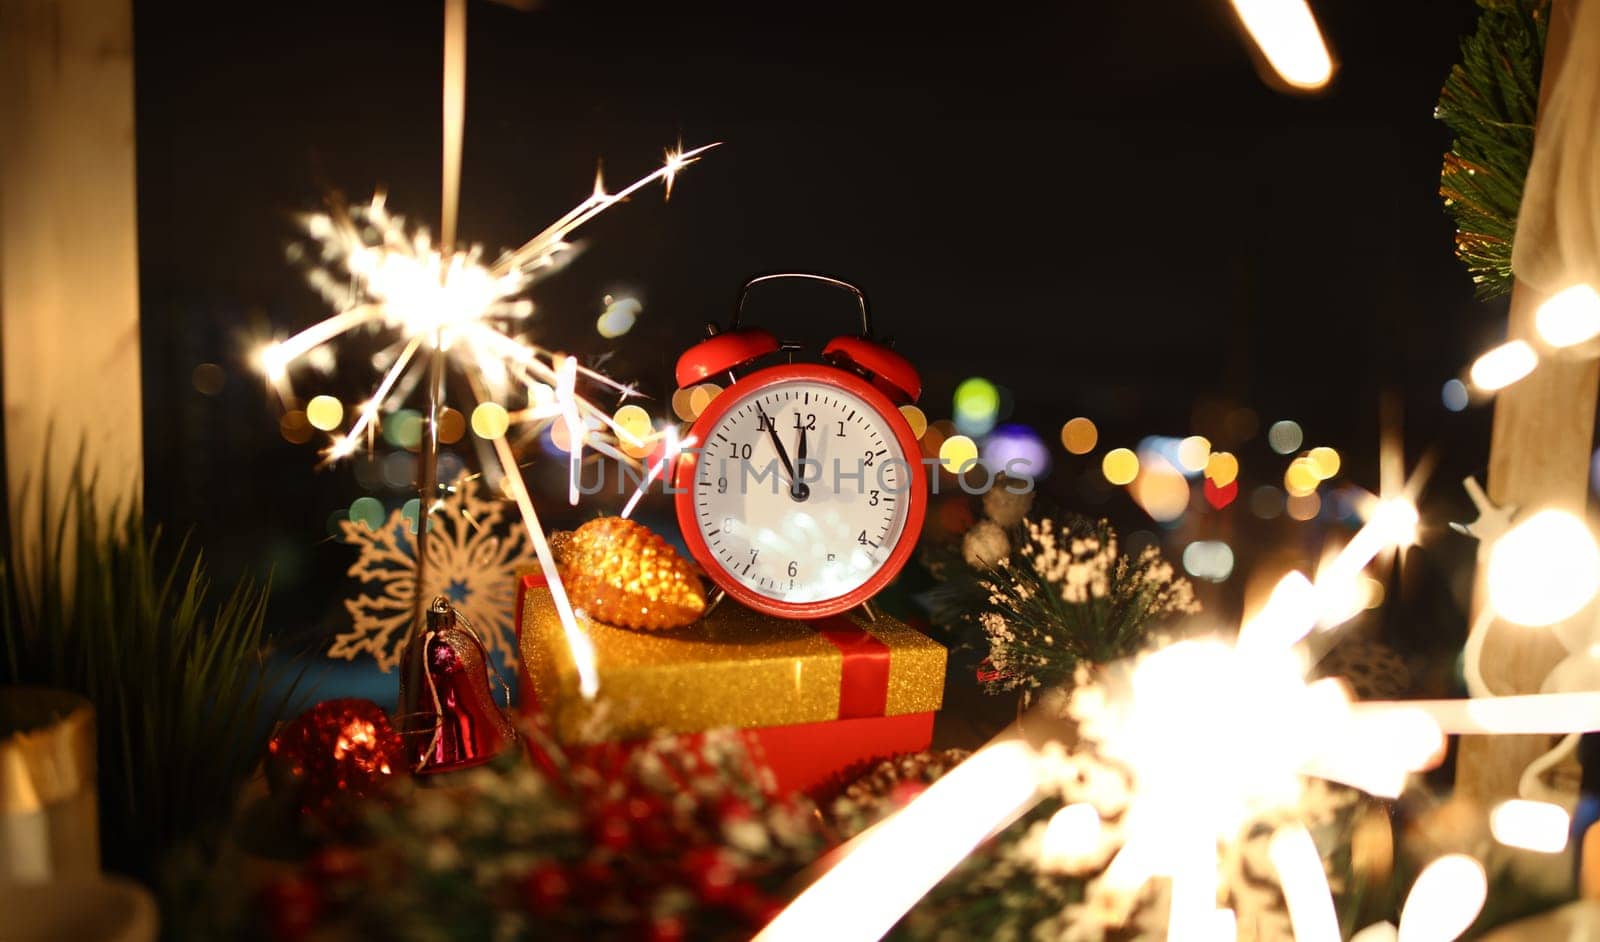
(1101, 207)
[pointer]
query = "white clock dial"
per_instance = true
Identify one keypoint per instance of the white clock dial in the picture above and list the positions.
(801, 491)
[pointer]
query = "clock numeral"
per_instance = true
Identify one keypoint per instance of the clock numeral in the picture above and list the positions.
(722, 485)
(739, 451)
(862, 539)
(809, 424)
(794, 568)
(872, 500)
(753, 555)
(763, 422)
(867, 458)
(841, 431)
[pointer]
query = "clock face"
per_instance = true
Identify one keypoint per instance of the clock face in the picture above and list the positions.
(802, 491)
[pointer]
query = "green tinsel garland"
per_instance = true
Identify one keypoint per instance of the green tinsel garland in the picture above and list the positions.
(1489, 102)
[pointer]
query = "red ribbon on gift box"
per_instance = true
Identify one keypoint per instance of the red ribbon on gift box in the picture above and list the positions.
(864, 677)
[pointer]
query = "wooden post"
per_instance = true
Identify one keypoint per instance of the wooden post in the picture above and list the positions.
(69, 300)
(1539, 453)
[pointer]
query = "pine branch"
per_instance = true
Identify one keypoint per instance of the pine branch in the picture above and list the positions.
(1489, 103)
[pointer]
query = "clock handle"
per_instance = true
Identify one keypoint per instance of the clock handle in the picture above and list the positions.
(861, 297)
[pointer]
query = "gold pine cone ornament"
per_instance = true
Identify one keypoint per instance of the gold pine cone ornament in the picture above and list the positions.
(623, 574)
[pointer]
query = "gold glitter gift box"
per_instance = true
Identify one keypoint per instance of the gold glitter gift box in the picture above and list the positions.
(841, 685)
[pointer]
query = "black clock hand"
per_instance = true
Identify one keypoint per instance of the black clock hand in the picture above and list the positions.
(772, 433)
(800, 490)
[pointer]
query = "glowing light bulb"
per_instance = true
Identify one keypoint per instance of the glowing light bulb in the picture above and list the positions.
(1444, 901)
(1287, 35)
(1544, 570)
(1531, 825)
(1503, 365)
(1569, 317)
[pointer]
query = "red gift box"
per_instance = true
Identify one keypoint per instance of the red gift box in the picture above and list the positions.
(873, 686)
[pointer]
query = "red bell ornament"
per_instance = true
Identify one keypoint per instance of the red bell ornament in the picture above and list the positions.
(450, 716)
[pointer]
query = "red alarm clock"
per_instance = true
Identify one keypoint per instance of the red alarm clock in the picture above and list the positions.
(808, 492)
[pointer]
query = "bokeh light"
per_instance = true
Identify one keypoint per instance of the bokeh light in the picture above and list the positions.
(635, 421)
(1544, 570)
(489, 420)
(399, 469)
(1301, 477)
(1324, 462)
(1079, 436)
(1193, 453)
(294, 427)
(1266, 502)
(933, 438)
(1503, 365)
(1530, 825)
(1211, 560)
(367, 512)
(403, 429)
(916, 419)
(1285, 436)
(452, 425)
(1303, 507)
(325, 413)
(208, 379)
(957, 452)
(1161, 490)
(1222, 468)
(1220, 497)
(619, 317)
(976, 406)
(681, 404)
(1454, 395)
(1018, 451)
(1569, 317)
(701, 396)
(1120, 466)
(1444, 900)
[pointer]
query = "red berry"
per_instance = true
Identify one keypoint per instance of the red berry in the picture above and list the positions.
(293, 905)
(666, 929)
(712, 874)
(612, 829)
(546, 888)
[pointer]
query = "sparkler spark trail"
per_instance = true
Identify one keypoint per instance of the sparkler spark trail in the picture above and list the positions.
(397, 279)
(446, 304)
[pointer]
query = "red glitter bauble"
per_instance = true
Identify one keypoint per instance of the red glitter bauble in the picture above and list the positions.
(333, 757)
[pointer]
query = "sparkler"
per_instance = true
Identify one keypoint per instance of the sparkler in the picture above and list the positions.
(440, 305)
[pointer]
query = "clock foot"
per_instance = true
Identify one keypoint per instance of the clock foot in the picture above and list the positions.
(871, 613)
(715, 599)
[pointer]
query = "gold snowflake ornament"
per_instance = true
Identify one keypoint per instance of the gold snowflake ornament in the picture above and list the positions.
(474, 559)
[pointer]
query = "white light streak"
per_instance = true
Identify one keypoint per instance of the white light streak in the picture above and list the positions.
(1531, 825)
(1569, 317)
(1287, 35)
(888, 868)
(1447, 897)
(1305, 885)
(1503, 365)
